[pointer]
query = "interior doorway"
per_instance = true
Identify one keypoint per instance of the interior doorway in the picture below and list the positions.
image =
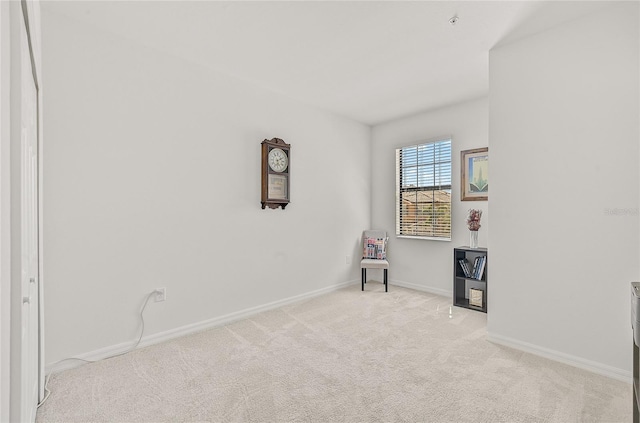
(21, 345)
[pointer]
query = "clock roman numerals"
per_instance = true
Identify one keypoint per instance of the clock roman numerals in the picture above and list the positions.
(278, 160)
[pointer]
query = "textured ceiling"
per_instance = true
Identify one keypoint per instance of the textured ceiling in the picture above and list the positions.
(369, 61)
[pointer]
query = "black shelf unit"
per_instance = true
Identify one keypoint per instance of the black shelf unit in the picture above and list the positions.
(462, 284)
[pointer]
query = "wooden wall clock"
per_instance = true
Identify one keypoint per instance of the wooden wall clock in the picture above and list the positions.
(276, 160)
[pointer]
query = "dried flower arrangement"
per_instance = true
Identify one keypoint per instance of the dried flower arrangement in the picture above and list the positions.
(473, 220)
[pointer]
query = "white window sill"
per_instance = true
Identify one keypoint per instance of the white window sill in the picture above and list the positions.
(423, 238)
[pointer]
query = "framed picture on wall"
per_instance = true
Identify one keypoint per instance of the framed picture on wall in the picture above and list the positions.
(474, 168)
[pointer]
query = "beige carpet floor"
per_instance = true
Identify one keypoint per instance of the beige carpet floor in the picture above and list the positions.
(348, 356)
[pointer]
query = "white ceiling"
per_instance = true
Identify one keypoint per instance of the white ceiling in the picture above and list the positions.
(369, 61)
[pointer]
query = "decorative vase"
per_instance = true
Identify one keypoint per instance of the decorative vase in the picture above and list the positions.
(473, 239)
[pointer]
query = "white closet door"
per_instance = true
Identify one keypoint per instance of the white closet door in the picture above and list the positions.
(29, 234)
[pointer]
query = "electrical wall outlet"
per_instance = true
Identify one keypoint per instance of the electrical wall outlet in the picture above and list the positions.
(161, 294)
(347, 260)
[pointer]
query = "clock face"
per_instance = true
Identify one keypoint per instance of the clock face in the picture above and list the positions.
(278, 160)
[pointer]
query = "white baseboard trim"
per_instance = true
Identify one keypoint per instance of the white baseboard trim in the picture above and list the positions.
(156, 338)
(411, 285)
(572, 360)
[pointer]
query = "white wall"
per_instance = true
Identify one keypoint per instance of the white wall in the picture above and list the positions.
(153, 180)
(564, 190)
(422, 264)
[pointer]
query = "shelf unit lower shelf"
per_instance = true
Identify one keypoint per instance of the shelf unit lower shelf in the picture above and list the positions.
(464, 303)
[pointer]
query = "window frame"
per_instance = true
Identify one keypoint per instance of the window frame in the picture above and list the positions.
(400, 233)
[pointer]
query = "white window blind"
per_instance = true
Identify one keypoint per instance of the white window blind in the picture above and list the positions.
(423, 190)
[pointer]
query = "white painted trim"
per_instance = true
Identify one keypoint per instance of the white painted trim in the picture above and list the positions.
(411, 285)
(5, 216)
(35, 32)
(157, 338)
(592, 366)
(423, 238)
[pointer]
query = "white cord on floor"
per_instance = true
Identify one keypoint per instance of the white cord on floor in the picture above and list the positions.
(133, 347)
